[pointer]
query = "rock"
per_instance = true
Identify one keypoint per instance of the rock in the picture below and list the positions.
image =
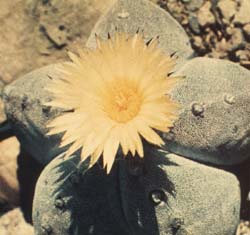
(171, 195)
(12, 44)
(12, 223)
(220, 134)
(9, 188)
(242, 17)
(246, 64)
(210, 38)
(227, 9)
(59, 26)
(131, 15)
(242, 55)
(47, 29)
(229, 30)
(198, 44)
(243, 228)
(2, 112)
(1, 86)
(3, 117)
(246, 30)
(24, 98)
(205, 16)
(237, 40)
(221, 49)
(194, 5)
(193, 24)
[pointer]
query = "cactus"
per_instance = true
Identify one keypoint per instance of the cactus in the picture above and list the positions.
(80, 201)
(214, 124)
(165, 193)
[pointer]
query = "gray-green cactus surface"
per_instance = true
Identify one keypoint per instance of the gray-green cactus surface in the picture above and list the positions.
(214, 123)
(24, 104)
(166, 194)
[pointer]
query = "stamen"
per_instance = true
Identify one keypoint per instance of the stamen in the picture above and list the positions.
(123, 101)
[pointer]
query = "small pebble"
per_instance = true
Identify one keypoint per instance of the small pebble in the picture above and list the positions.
(205, 16)
(242, 55)
(194, 5)
(242, 16)
(246, 30)
(237, 40)
(227, 9)
(193, 24)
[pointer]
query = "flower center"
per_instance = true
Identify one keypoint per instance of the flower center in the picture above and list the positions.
(122, 101)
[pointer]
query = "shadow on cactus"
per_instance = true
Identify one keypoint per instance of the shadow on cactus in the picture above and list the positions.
(69, 189)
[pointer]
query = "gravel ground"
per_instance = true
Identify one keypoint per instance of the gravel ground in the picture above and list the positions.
(243, 228)
(217, 28)
(13, 223)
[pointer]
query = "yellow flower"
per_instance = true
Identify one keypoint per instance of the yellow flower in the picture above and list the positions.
(117, 95)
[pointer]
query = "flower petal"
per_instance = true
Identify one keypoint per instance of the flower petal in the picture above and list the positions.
(110, 150)
(149, 134)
